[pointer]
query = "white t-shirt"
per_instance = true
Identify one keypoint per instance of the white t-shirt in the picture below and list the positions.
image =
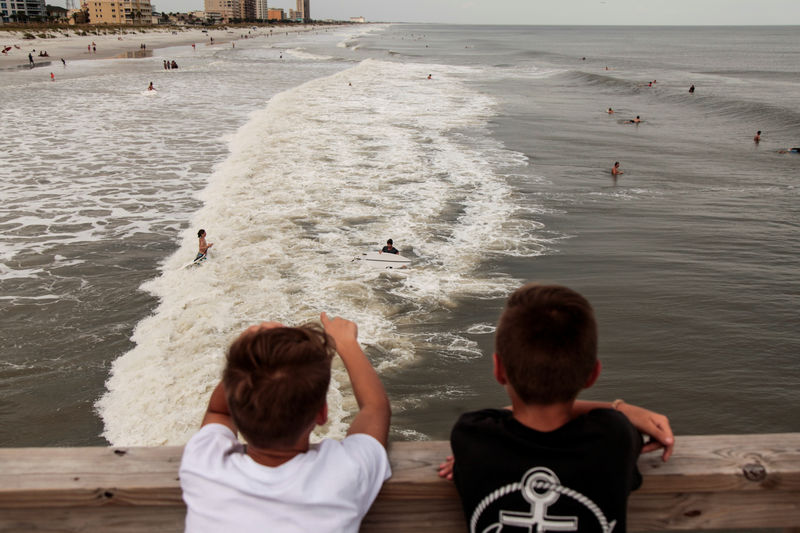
(328, 488)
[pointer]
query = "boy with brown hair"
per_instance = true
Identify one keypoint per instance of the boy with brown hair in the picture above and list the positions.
(273, 391)
(550, 462)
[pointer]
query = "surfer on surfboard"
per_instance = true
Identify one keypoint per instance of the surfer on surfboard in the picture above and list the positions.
(203, 245)
(389, 248)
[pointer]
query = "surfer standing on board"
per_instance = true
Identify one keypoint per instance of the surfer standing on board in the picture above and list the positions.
(389, 248)
(204, 246)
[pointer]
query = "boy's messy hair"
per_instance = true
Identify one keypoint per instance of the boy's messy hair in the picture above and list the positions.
(546, 341)
(276, 381)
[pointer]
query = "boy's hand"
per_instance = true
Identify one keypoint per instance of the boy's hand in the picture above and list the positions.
(446, 468)
(652, 424)
(340, 329)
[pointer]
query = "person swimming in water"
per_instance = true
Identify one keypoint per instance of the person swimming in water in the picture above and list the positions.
(151, 88)
(790, 151)
(389, 248)
(610, 111)
(616, 171)
(757, 138)
(203, 245)
(635, 120)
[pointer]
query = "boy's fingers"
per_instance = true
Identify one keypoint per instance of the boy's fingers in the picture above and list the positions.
(662, 438)
(651, 446)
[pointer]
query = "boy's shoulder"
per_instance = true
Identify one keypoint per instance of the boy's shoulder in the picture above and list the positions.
(217, 443)
(498, 426)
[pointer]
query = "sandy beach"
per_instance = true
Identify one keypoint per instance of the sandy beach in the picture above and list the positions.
(77, 47)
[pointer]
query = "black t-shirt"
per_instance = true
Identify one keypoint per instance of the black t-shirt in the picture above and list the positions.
(576, 478)
(388, 250)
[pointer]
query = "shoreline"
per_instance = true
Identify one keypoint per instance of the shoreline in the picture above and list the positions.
(115, 46)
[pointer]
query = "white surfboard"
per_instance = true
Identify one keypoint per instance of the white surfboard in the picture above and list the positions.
(379, 260)
(197, 261)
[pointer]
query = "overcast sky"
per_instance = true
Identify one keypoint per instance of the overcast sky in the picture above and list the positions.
(600, 12)
(603, 12)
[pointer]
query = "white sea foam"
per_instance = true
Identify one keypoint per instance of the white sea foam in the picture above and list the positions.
(300, 53)
(327, 170)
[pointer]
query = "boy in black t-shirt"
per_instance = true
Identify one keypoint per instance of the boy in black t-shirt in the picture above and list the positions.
(550, 462)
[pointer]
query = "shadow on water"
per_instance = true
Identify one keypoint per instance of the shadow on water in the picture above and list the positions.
(28, 66)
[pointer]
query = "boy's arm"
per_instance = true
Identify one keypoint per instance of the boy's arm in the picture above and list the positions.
(217, 411)
(374, 410)
(652, 424)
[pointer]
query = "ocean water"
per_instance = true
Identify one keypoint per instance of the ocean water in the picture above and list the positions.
(299, 153)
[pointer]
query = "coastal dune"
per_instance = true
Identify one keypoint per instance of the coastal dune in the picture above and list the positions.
(66, 43)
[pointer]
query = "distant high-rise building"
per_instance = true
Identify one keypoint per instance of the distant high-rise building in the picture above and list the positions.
(247, 10)
(118, 11)
(262, 10)
(11, 11)
(304, 9)
(227, 9)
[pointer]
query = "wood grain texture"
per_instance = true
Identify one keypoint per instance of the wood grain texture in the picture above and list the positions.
(712, 482)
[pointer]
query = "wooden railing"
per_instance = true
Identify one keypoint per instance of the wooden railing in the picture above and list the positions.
(712, 482)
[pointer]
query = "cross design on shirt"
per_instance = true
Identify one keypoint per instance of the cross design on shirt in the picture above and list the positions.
(537, 489)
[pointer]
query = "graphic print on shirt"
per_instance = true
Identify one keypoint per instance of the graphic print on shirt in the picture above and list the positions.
(541, 488)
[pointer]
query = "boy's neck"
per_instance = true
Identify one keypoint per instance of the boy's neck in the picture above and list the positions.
(276, 456)
(543, 418)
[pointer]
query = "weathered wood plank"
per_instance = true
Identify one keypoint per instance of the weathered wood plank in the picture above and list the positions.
(725, 463)
(93, 520)
(712, 482)
(713, 510)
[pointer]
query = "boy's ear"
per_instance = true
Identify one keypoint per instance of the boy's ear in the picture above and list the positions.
(499, 371)
(598, 366)
(322, 415)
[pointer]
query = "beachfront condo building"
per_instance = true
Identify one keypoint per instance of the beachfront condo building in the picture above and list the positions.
(247, 10)
(22, 10)
(227, 9)
(262, 10)
(304, 10)
(118, 12)
(276, 13)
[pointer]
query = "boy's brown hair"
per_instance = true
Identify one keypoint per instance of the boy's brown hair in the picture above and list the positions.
(546, 341)
(276, 381)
